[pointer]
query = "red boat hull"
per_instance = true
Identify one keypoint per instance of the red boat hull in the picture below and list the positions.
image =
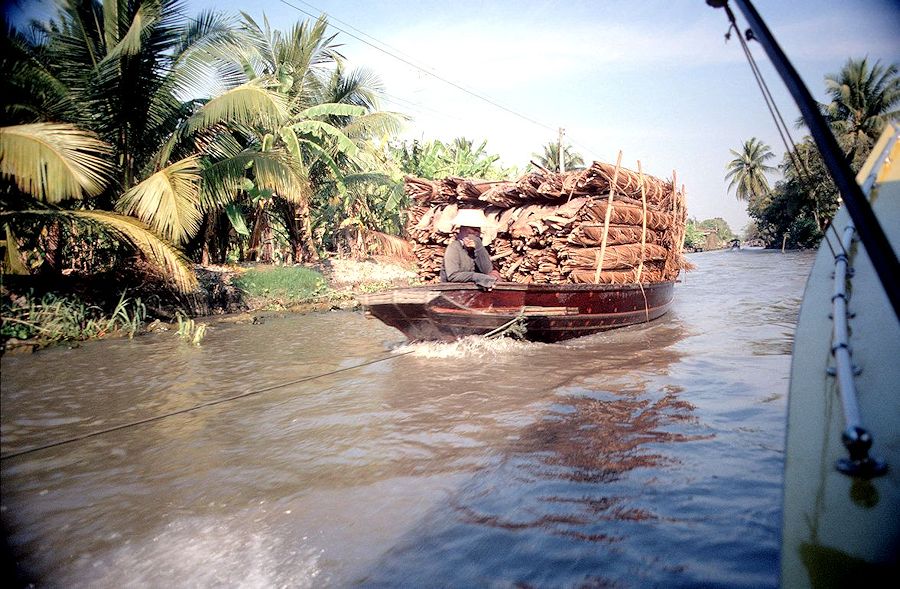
(549, 312)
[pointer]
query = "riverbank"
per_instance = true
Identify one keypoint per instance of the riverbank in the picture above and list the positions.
(43, 311)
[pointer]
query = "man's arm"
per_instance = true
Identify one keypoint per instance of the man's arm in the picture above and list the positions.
(483, 259)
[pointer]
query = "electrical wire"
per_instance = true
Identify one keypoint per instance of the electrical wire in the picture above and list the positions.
(426, 71)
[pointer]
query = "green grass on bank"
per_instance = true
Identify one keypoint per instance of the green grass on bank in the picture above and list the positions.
(53, 319)
(288, 284)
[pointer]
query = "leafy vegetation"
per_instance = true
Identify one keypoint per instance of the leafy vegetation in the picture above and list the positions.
(550, 159)
(190, 331)
(796, 211)
(52, 319)
(696, 231)
(747, 171)
(434, 159)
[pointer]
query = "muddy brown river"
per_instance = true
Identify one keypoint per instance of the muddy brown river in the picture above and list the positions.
(645, 456)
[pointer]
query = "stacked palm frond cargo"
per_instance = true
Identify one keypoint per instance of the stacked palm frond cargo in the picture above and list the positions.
(603, 224)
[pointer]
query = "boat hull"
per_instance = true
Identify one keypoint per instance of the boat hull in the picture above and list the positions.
(840, 530)
(549, 313)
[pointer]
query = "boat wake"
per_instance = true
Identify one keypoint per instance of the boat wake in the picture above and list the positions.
(468, 347)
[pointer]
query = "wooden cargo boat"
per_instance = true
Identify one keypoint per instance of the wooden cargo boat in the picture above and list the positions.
(548, 312)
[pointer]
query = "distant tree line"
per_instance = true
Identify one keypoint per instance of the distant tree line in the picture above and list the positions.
(696, 231)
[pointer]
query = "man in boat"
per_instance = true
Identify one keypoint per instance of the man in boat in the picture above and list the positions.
(466, 259)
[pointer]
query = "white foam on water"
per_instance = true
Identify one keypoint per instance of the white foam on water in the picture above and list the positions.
(469, 347)
(206, 552)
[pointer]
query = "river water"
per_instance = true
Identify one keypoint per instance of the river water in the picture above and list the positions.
(645, 456)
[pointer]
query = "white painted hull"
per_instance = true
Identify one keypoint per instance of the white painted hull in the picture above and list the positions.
(839, 530)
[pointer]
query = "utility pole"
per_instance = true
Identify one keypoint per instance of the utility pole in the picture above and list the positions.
(562, 159)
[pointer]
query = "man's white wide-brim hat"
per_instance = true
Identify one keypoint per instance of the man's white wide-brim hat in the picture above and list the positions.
(470, 218)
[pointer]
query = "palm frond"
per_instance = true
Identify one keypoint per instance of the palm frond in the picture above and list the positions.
(247, 104)
(144, 19)
(54, 161)
(161, 253)
(30, 91)
(274, 170)
(205, 49)
(332, 109)
(168, 200)
(322, 130)
(296, 145)
(375, 124)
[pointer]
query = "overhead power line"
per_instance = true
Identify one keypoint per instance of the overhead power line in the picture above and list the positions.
(418, 67)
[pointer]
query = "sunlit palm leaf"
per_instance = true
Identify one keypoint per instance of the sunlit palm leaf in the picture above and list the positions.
(54, 161)
(321, 129)
(247, 104)
(145, 18)
(361, 87)
(333, 109)
(167, 200)
(271, 170)
(164, 255)
(111, 22)
(375, 124)
(202, 49)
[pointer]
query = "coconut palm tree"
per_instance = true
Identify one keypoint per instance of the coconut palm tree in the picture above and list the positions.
(122, 69)
(332, 119)
(550, 158)
(747, 171)
(864, 97)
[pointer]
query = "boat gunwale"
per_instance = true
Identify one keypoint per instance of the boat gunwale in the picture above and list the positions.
(516, 286)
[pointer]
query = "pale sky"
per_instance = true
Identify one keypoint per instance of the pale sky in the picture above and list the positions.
(652, 78)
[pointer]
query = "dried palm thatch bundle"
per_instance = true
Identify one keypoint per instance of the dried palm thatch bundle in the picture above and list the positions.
(603, 224)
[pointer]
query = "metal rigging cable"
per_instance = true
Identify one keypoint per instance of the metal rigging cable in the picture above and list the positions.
(873, 237)
(787, 140)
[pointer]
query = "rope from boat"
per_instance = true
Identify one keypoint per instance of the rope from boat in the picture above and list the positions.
(787, 139)
(515, 326)
(646, 304)
(510, 327)
(196, 407)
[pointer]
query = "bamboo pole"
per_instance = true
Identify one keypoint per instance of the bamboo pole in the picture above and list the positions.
(640, 269)
(679, 247)
(609, 206)
(674, 191)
